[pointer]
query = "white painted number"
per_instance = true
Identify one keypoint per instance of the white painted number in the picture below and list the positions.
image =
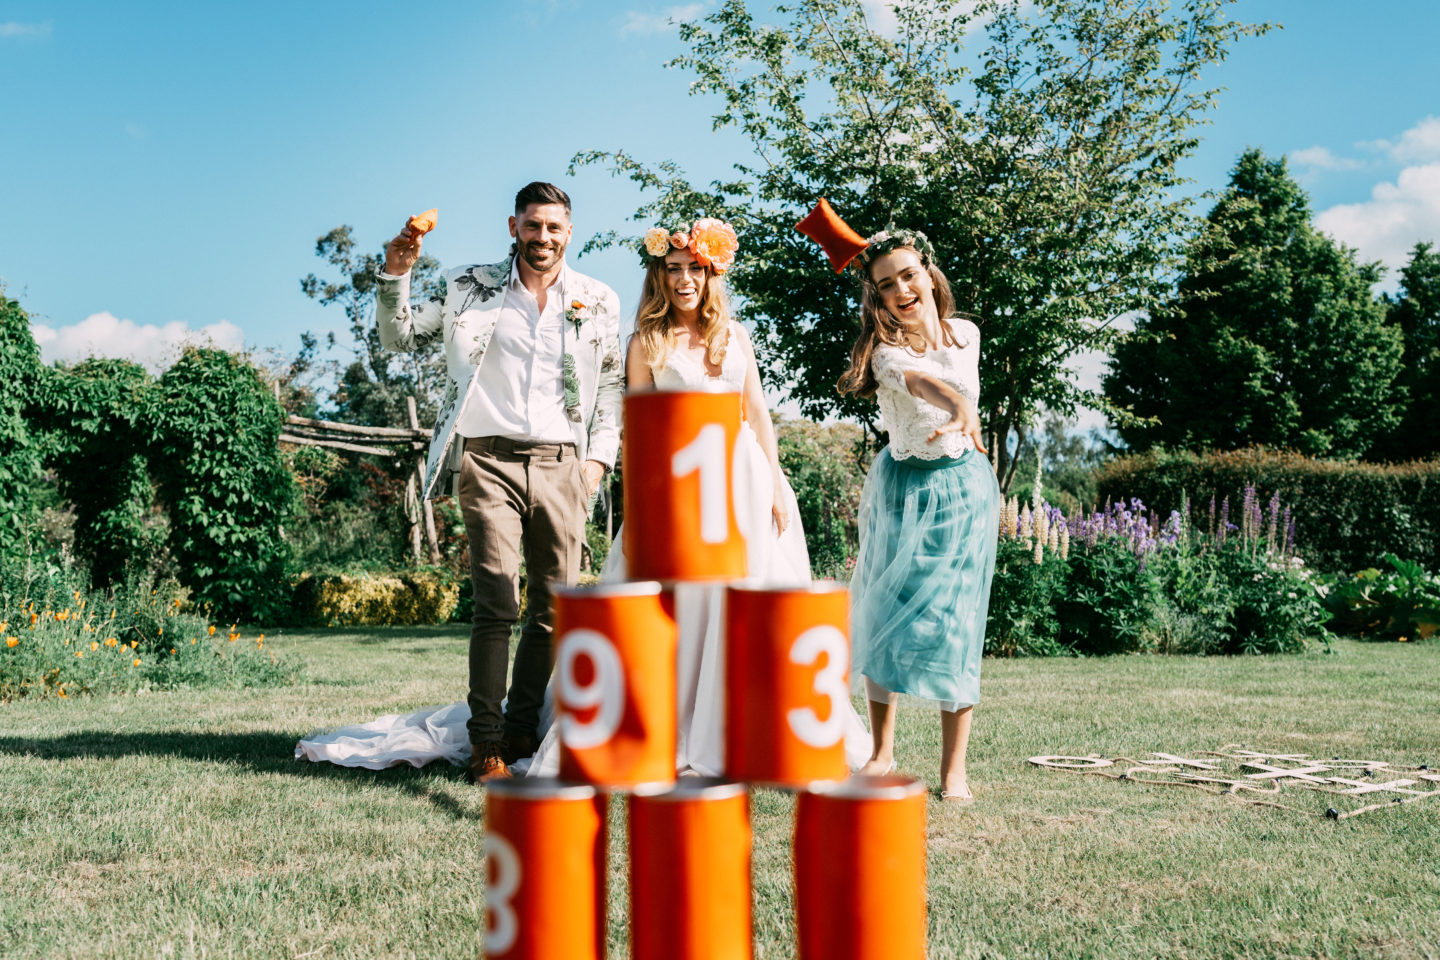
(706, 453)
(830, 682)
(605, 692)
(502, 880)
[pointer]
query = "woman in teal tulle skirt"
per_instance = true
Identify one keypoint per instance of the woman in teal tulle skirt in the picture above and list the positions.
(930, 509)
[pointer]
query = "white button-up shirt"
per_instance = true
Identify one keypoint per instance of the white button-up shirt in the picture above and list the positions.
(519, 390)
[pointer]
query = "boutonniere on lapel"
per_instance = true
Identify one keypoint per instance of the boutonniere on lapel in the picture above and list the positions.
(579, 312)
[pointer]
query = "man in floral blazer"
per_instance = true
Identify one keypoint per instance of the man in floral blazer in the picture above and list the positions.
(530, 424)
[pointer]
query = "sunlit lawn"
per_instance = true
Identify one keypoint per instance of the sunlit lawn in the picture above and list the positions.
(178, 824)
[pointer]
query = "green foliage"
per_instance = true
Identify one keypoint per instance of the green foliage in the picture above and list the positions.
(407, 598)
(372, 388)
(1272, 337)
(92, 417)
(1348, 514)
(1415, 313)
(1401, 603)
(1022, 620)
(826, 470)
(1045, 174)
(60, 639)
(20, 372)
(1108, 603)
(214, 431)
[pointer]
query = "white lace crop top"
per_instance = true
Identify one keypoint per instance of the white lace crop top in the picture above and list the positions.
(911, 420)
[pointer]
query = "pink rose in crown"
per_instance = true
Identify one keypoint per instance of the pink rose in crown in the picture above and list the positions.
(679, 240)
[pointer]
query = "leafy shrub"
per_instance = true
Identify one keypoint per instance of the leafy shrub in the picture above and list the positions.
(1123, 581)
(59, 639)
(91, 415)
(20, 372)
(1353, 513)
(214, 432)
(1401, 603)
(825, 470)
(1023, 595)
(401, 599)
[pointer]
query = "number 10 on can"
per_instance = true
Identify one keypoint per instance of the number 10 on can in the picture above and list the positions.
(615, 684)
(679, 456)
(787, 683)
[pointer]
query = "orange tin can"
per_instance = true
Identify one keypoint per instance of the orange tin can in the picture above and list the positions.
(615, 682)
(860, 870)
(690, 872)
(544, 870)
(679, 456)
(787, 683)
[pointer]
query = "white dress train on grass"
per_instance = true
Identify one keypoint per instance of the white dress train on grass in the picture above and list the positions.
(775, 558)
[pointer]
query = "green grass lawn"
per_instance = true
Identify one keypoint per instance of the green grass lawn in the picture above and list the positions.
(177, 824)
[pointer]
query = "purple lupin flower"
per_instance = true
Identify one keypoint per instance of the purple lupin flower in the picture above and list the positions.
(1247, 509)
(1212, 517)
(1274, 520)
(1224, 520)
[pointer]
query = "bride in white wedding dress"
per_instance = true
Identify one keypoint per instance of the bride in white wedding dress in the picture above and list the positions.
(684, 339)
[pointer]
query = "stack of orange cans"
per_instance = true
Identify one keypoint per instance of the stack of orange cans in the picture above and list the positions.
(859, 843)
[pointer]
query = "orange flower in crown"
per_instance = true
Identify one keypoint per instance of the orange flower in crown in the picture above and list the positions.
(710, 241)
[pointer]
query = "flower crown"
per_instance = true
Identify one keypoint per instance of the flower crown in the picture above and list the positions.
(891, 238)
(711, 242)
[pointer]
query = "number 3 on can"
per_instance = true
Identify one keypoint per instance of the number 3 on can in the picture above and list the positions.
(605, 692)
(502, 882)
(830, 681)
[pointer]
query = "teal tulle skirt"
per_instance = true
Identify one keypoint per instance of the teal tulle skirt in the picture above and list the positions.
(921, 589)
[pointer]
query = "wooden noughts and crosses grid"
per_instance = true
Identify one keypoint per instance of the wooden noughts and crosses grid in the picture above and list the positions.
(859, 842)
(1348, 788)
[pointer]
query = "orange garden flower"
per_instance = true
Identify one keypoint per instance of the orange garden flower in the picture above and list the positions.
(212, 630)
(172, 649)
(111, 641)
(79, 653)
(94, 645)
(11, 641)
(136, 662)
(63, 695)
(714, 244)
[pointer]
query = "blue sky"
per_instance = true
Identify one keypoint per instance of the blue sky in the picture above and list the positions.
(167, 167)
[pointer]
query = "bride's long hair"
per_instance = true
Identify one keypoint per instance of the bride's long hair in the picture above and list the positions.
(878, 325)
(656, 328)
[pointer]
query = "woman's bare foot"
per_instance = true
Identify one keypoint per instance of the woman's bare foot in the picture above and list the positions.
(878, 767)
(956, 790)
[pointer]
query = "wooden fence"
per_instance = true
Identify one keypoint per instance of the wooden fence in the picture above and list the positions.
(409, 441)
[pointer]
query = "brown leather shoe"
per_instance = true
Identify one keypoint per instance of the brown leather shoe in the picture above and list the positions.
(518, 747)
(486, 762)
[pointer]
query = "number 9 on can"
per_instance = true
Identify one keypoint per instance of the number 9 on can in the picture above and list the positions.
(615, 682)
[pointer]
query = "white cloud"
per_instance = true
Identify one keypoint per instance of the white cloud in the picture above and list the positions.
(646, 24)
(1396, 216)
(1419, 144)
(154, 347)
(881, 13)
(13, 29)
(1320, 158)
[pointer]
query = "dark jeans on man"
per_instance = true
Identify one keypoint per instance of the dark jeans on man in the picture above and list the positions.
(513, 493)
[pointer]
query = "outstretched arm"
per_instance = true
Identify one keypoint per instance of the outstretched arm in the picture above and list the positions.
(964, 418)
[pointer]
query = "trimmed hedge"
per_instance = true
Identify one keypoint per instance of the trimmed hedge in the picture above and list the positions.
(402, 599)
(1348, 514)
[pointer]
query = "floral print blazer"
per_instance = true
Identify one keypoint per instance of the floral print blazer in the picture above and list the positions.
(465, 313)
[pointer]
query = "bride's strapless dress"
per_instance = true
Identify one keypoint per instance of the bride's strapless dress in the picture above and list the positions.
(772, 557)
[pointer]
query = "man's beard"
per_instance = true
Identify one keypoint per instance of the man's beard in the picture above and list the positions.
(538, 257)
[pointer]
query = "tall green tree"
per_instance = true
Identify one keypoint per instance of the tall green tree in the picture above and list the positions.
(1036, 144)
(371, 389)
(1415, 312)
(1273, 336)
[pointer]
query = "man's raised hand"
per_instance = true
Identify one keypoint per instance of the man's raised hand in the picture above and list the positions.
(402, 252)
